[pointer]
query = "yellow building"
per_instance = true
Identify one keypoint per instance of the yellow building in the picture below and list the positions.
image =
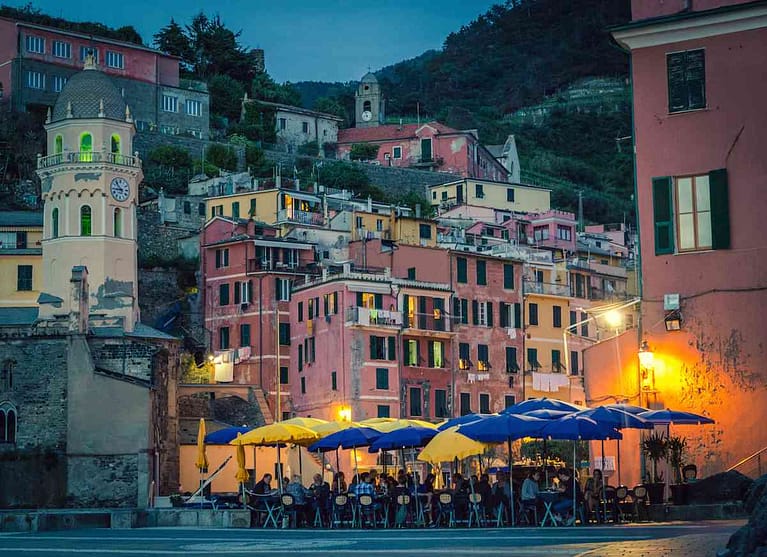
(503, 196)
(390, 226)
(21, 258)
(272, 206)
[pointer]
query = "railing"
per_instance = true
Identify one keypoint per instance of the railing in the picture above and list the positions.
(425, 161)
(302, 217)
(88, 157)
(257, 265)
(426, 321)
(374, 317)
(534, 287)
(756, 463)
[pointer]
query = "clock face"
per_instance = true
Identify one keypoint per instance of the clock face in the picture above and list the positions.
(367, 115)
(120, 189)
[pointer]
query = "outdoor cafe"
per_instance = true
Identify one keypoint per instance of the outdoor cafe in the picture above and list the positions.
(463, 472)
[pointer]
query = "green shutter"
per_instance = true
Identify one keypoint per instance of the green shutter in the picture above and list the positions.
(406, 310)
(373, 355)
(663, 215)
(517, 316)
(431, 353)
(504, 314)
(474, 312)
(489, 314)
(237, 292)
(359, 299)
(508, 276)
(720, 209)
(392, 350)
(378, 301)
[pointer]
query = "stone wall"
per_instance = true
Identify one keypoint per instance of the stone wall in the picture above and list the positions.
(155, 240)
(145, 142)
(103, 480)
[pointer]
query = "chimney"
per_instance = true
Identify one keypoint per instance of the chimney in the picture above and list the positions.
(418, 210)
(78, 305)
(370, 204)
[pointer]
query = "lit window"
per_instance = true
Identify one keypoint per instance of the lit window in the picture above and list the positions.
(115, 60)
(58, 145)
(61, 49)
(35, 44)
(58, 83)
(169, 103)
(693, 213)
(193, 107)
(35, 80)
(85, 221)
(115, 143)
(86, 147)
(118, 223)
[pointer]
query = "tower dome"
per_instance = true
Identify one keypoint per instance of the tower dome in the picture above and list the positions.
(369, 78)
(89, 94)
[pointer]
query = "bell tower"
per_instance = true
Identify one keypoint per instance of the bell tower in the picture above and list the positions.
(89, 188)
(369, 108)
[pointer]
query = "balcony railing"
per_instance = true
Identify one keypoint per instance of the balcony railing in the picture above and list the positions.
(534, 287)
(258, 265)
(374, 317)
(88, 157)
(302, 217)
(427, 321)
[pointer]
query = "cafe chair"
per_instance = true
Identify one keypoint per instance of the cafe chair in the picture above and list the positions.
(641, 501)
(445, 509)
(289, 511)
(476, 510)
(528, 512)
(341, 510)
(403, 516)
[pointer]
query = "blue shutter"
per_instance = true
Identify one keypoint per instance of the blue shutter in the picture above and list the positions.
(663, 215)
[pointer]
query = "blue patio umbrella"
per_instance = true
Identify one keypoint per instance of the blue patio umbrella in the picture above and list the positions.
(630, 408)
(542, 403)
(349, 438)
(462, 420)
(676, 417)
(223, 436)
(410, 436)
(548, 414)
(500, 428)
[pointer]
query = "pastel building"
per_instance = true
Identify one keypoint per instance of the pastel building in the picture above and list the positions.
(697, 73)
(21, 260)
(492, 194)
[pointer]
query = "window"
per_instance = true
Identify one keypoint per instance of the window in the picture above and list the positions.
(169, 103)
(115, 144)
(24, 278)
(573, 318)
(55, 223)
(193, 107)
(333, 380)
(692, 202)
(424, 231)
(115, 60)
(564, 232)
(58, 144)
(479, 191)
(686, 80)
(223, 294)
(309, 350)
(61, 49)
(8, 425)
(201, 209)
(86, 147)
(305, 127)
(187, 208)
(510, 195)
(508, 276)
(382, 378)
(415, 401)
(284, 334)
(223, 338)
(464, 356)
(285, 375)
(383, 411)
(509, 400)
(461, 269)
(58, 83)
(556, 317)
(283, 123)
(35, 80)
(412, 356)
(507, 315)
(481, 272)
(584, 325)
(511, 360)
(217, 210)
(6, 375)
(484, 403)
(533, 311)
(303, 385)
(117, 222)
(465, 404)
(85, 220)
(35, 44)
(300, 357)
(444, 195)
(300, 310)
(482, 313)
(532, 359)
(245, 334)
(382, 348)
(235, 209)
(396, 152)
(86, 50)
(483, 357)
(556, 361)
(436, 354)
(411, 273)
(310, 308)
(222, 258)
(440, 403)
(379, 225)
(541, 233)
(574, 367)
(426, 155)
(283, 290)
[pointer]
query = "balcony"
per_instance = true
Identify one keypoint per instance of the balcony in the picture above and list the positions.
(547, 288)
(262, 265)
(300, 217)
(374, 317)
(81, 157)
(425, 162)
(436, 321)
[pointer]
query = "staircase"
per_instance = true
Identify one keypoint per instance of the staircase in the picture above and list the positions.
(752, 465)
(260, 399)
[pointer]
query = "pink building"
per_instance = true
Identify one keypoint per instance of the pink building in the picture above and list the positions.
(430, 146)
(701, 126)
(248, 276)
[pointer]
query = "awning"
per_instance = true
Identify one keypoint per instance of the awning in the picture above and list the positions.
(302, 196)
(278, 244)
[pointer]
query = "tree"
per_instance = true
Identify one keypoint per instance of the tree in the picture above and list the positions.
(264, 88)
(221, 156)
(172, 40)
(330, 105)
(364, 151)
(226, 96)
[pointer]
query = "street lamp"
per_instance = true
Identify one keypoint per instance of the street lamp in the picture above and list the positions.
(646, 369)
(345, 414)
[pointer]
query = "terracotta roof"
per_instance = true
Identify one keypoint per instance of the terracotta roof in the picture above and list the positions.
(389, 132)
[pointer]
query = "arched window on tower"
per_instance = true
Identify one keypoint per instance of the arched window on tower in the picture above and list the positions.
(366, 106)
(6, 376)
(86, 147)
(58, 145)
(85, 221)
(8, 423)
(116, 145)
(55, 223)
(118, 222)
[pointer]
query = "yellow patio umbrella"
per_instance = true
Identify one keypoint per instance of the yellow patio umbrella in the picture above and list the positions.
(389, 426)
(202, 459)
(309, 423)
(323, 430)
(242, 475)
(449, 444)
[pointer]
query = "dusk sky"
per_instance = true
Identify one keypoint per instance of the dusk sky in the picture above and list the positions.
(304, 40)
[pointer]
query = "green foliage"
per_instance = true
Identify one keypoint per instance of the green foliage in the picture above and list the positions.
(172, 39)
(364, 151)
(556, 450)
(677, 446)
(348, 176)
(655, 447)
(255, 160)
(264, 88)
(168, 167)
(258, 124)
(332, 105)
(171, 156)
(310, 148)
(226, 96)
(221, 156)
(413, 198)
(192, 373)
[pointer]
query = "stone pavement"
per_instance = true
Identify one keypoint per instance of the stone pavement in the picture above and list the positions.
(694, 545)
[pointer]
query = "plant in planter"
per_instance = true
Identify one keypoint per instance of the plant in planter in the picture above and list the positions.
(676, 449)
(655, 447)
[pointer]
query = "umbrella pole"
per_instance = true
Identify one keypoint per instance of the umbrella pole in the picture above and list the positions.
(511, 484)
(254, 466)
(619, 462)
(356, 472)
(300, 464)
(322, 461)
(575, 444)
(545, 462)
(279, 467)
(338, 462)
(604, 499)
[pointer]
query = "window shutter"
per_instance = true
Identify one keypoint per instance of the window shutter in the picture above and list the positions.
(378, 301)
(250, 291)
(517, 316)
(431, 353)
(359, 299)
(489, 314)
(663, 215)
(218, 259)
(391, 351)
(464, 311)
(406, 310)
(504, 314)
(237, 292)
(373, 355)
(474, 312)
(720, 209)
(456, 308)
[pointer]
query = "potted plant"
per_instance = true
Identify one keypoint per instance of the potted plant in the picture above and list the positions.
(676, 448)
(655, 447)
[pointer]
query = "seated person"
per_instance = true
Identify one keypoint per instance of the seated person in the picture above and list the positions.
(485, 490)
(563, 507)
(300, 494)
(339, 483)
(529, 496)
(593, 494)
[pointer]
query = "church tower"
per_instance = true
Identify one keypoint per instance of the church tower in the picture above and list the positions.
(369, 110)
(89, 188)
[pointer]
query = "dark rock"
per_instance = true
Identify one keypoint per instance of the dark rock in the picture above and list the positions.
(726, 486)
(754, 493)
(751, 539)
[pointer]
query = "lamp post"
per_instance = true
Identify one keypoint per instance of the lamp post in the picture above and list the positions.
(646, 371)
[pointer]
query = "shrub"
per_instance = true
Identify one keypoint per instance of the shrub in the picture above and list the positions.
(364, 151)
(221, 156)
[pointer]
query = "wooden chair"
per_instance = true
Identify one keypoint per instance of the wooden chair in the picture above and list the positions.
(341, 510)
(641, 500)
(445, 509)
(366, 509)
(476, 510)
(403, 516)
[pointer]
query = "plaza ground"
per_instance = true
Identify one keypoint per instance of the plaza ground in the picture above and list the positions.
(698, 539)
